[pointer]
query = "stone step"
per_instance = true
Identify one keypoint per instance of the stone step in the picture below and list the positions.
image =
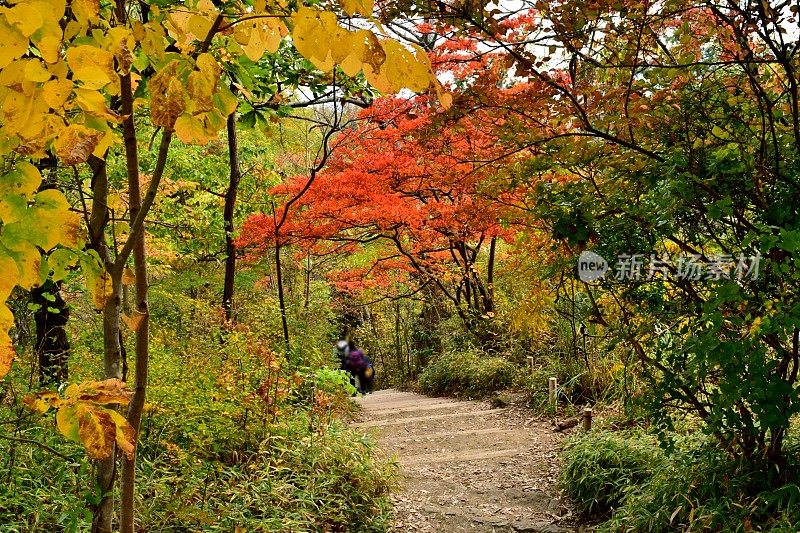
(411, 420)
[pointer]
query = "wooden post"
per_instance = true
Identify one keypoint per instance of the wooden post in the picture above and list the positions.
(587, 418)
(530, 363)
(552, 384)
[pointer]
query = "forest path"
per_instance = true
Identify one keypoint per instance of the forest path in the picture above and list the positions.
(466, 466)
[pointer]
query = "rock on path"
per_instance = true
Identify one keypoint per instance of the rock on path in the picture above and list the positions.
(466, 466)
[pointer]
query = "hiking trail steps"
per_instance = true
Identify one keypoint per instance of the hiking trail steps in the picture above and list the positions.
(467, 466)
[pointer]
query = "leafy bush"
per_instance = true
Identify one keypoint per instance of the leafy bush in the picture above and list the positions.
(697, 487)
(466, 373)
(601, 467)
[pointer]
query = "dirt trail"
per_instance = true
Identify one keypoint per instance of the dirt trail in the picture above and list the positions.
(468, 467)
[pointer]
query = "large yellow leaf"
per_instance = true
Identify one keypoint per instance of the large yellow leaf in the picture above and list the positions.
(191, 130)
(125, 435)
(7, 352)
(98, 280)
(35, 71)
(13, 44)
(24, 254)
(106, 392)
(168, 96)
(258, 36)
(403, 69)
(351, 7)
(96, 430)
(56, 92)
(201, 91)
(76, 143)
(7, 283)
(91, 65)
(86, 11)
(94, 103)
(49, 47)
(23, 180)
(16, 112)
(25, 17)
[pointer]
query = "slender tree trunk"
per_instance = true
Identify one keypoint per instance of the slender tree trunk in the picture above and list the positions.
(489, 300)
(230, 204)
(141, 310)
(102, 521)
(281, 298)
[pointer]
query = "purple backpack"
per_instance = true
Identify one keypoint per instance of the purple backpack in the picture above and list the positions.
(357, 361)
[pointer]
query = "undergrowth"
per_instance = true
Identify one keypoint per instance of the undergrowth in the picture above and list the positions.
(235, 436)
(466, 374)
(629, 480)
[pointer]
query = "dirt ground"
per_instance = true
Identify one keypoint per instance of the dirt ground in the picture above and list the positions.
(468, 467)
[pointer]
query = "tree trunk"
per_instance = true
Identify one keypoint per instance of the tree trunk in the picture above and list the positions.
(281, 298)
(141, 311)
(230, 204)
(112, 349)
(52, 345)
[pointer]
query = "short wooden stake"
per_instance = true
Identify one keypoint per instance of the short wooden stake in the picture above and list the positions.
(587, 418)
(530, 363)
(552, 385)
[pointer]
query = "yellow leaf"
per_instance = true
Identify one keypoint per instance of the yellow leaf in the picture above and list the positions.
(56, 92)
(67, 422)
(13, 44)
(25, 17)
(128, 277)
(35, 71)
(311, 33)
(94, 103)
(107, 392)
(7, 352)
(98, 280)
(168, 96)
(96, 430)
(134, 322)
(26, 257)
(403, 69)
(86, 11)
(91, 65)
(351, 7)
(446, 99)
(373, 53)
(120, 43)
(201, 91)
(76, 143)
(259, 36)
(41, 402)
(199, 26)
(16, 111)
(7, 283)
(23, 180)
(225, 101)
(191, 130)
(125, 434)
(49, 47)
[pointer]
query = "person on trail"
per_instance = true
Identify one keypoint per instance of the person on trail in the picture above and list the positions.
(341, 350)
(361, 370)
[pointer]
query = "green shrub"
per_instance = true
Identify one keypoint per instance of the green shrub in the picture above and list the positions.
(697, 487)
(467, 374)
(602, 467)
